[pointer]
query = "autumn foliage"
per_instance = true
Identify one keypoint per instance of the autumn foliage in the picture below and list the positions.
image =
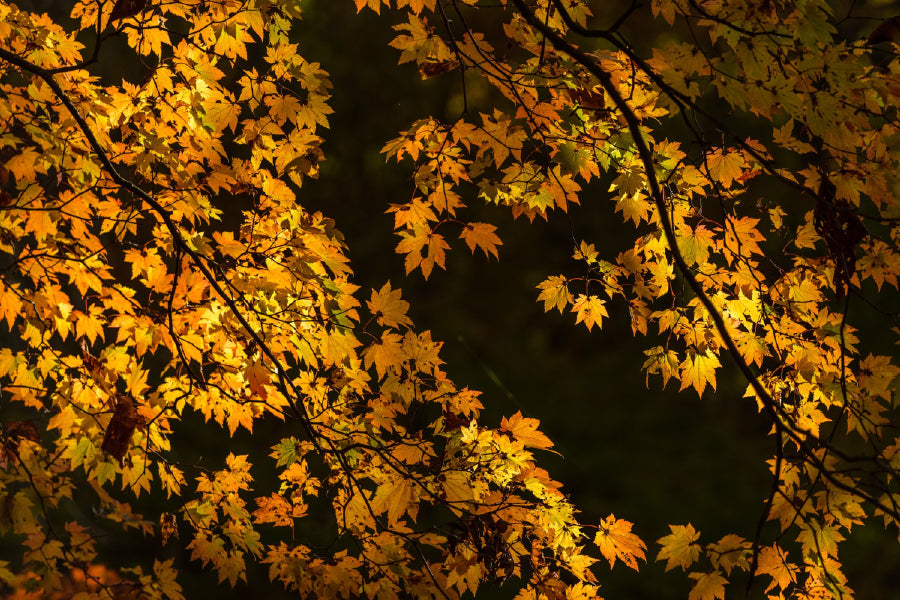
(754, 157)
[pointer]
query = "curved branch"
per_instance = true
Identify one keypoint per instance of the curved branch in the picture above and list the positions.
(770, 405)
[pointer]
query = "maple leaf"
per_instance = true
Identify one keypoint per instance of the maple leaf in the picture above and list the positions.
(412, 214)
(88, 325)
(819, 540)
(742, 237)
(615, 540)
(698, 369)
(525, 430)
(679, 548)
(164, 577)
(435, 255)
(457, 487)
(24, 165)
(388, 308)
(223, 115)
(724, 167)
(385, 353)
(417, 5)
(634, 206)
(664, 9)
(707, 586)
(394, 497)
(373, 4)
(773, 562)
(481, 235)
(582, 591)
(555, 293)
(729, 552)
(420, 239)
(227, 245)
(662, 361)
(589, 309)
(695, 245)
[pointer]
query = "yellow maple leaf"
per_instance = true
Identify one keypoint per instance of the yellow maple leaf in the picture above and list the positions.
(773, 562)
(394, 497)
(223, 114)
(660, 360)
(741, 237)
(388, 308)
(664, 9)
(634, 206)
(698, 369)
(729, 552)
(89, 326)
(555, 293)
(227, 245)
(581, 591)
(616, 541)
(41, 223)
(436, 255)
(679, 548)
(589, 309)
(695, 244)
(457, 486)
(384, 353)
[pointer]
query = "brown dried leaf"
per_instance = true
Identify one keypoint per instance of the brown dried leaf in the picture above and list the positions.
(432, 68)
(168, 527)
(126, 8)
(120, 429)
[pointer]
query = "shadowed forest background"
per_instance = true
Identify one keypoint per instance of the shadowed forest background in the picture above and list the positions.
(646, 454)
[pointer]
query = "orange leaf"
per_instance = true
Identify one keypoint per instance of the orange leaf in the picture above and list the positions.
(373, 4)
(88, 326)
(773, 562)
(724, 168)
(394, 497)
(616, 541)
(525, 430)
(384, 353)
(481, 235)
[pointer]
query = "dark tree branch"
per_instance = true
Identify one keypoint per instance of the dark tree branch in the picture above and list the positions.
(772, 408)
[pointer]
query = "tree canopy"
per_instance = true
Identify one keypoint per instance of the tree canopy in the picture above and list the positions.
(158, 263)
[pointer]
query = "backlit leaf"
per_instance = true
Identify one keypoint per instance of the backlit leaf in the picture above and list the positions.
(679, 548)
(615, 540)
